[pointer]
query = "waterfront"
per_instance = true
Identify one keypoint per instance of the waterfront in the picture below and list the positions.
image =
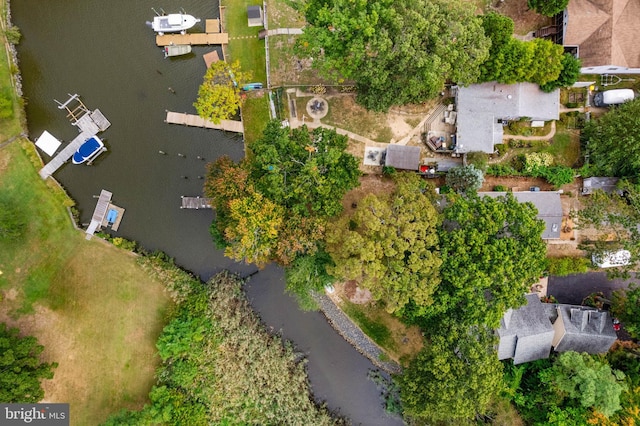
(108, 56)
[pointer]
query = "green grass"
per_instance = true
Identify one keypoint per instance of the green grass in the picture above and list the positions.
(283, 14)
(376, 330)
(255, 115)
(95, 310)
(249, 51)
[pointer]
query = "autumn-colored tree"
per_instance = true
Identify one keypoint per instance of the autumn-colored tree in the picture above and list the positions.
(389, 245)
(219, 95)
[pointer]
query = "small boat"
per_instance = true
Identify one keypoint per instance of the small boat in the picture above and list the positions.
(176, 50)
(173, 23)
(88, 151)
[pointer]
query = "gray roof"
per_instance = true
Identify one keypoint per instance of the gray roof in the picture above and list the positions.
(526, 333)
(607, 184)
(585, 330)
(403, 157)
(549, 208)
(481, 105)
(253, 12)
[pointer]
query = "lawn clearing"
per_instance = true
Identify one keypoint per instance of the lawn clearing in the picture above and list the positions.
(97, 313)
(255, 115)
(244, 44)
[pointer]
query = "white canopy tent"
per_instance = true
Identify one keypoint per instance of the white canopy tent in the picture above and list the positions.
(48, 143)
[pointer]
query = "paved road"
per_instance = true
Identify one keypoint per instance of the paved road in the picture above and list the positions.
(573, 288)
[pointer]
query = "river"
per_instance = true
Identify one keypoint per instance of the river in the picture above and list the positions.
(106, 53)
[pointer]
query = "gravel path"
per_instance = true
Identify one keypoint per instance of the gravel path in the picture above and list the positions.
(352, 334)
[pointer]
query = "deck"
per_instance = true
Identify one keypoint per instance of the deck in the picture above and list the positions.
(192, 39)
(196, 121)
(99, 212)
(195, 203)
(64, 155)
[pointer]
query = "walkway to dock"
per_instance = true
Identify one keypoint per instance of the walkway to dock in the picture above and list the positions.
(89, 125)
(196, 203)
(99, 213)
(192, 39)
(196, 121)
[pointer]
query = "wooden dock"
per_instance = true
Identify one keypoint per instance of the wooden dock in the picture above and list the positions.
(195, 203)
(99, 212)
(196, 121)
(192, 39)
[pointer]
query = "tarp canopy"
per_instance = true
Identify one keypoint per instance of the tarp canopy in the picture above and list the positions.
(48, 143)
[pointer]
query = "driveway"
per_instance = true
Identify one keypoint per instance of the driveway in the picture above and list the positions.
(574, 288)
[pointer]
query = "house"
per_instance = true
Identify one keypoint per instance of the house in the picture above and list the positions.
(549, 208)
(606, 184)
(403, 157)
(603, 34)
(531, 331)
(484, 108)
(254, 16)
(526, 334)
(583, 329)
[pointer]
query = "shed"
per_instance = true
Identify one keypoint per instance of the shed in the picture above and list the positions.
(606, 184)
(548, 205)
(254, 16)
(403, 157)
(48, 143)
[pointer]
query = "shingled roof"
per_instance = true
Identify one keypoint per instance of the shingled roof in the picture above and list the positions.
(606, 32)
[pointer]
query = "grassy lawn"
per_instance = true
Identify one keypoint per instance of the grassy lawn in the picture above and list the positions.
(255, 115)
(401, 342)
(282, 14)
(97, 313)
(249, 51)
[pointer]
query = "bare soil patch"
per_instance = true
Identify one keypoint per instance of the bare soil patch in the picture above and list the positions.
(369, 184)
(524, 20)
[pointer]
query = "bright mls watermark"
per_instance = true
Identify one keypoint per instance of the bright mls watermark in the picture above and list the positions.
(36, 414)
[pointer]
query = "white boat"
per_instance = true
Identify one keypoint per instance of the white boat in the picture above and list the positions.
(88, 151)
(173, 23)
(176, 50)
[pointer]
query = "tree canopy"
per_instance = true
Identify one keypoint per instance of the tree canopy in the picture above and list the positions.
(273, 205)
(390, 245)
(397, 52)
(454, 378)
(548, 7)
(611, 141)
(568, 75)
(591, 382)
(21, 367)
(626, 307)
(492, 252)
(464, 179)
(219, 95)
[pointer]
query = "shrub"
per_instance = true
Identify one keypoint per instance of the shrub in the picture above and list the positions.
(124, 243)
(572, 105)
(558, 175)
(478, 159)
(500, 188)
(389, 171)
(501, 149)
(562, 266)
(465, 178)
(500, 170)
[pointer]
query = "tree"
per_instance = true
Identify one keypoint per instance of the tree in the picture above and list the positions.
(307, 173)
(568, 75)
(219, 95)
(548, 7)
(307, 274)
(454, 378)
(21, 367)
(390, 245)
(492, 252)
(611, 141)
(464, 179)
(626, 307)
(583, 378)
(397, 52)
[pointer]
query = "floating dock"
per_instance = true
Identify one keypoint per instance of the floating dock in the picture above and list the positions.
(102, 214)
(192, 39)
(89, 123)
(195, 203)
(196, 121)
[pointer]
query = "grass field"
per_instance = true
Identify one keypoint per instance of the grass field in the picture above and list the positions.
(97, 313)
(255, 115)
(244, 44)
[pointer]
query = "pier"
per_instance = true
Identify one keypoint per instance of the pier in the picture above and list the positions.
(89, 123)
(196, 121)
(105, 214)
(195, 203)
(192, 39)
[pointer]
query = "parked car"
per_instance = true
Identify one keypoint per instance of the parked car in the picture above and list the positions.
(611, 259)
(612, 97)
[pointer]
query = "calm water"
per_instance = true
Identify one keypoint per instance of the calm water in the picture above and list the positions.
(106, 53)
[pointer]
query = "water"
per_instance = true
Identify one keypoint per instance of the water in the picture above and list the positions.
(108, 55)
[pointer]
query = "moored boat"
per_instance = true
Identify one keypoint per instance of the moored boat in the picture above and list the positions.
(176, 50)
(88, 151)
(173, 23)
